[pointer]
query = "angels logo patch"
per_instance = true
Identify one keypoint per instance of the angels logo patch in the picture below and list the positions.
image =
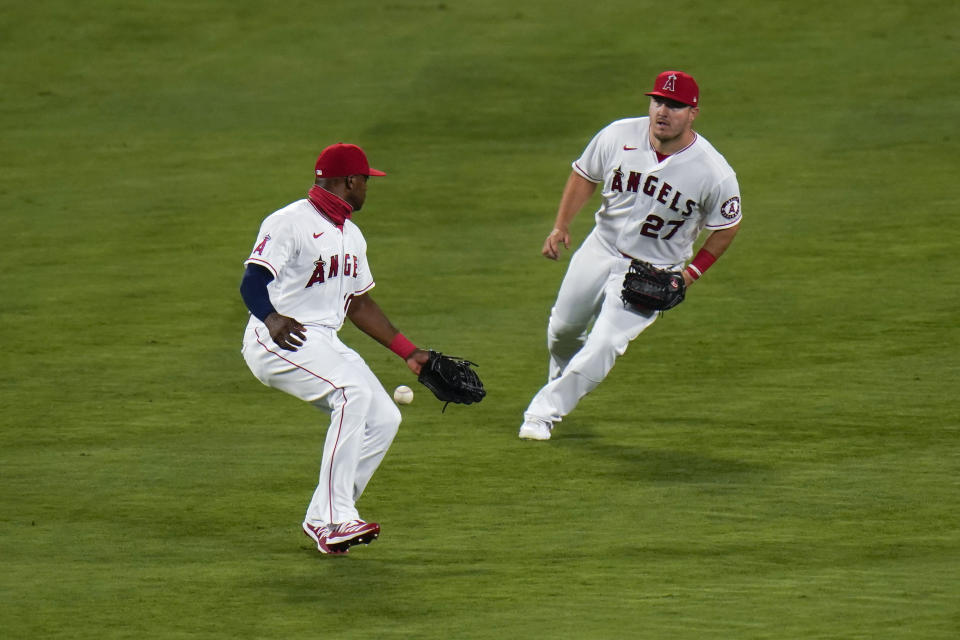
(260, 247)
(731, 208)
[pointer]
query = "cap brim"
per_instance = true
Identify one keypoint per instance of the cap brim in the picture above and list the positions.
(374, 172)
(660, 94)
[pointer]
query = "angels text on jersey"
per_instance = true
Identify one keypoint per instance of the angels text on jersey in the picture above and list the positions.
(351, 267)
(652, 187)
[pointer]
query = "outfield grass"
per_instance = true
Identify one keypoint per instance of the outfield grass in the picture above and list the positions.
(777, 458)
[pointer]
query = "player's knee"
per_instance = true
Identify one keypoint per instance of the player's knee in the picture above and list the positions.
(393, 416)
(598, 357)
(357, 399)
(374, 405)
(558, 328)
(383, 423)
(564, 335)
(383, 410)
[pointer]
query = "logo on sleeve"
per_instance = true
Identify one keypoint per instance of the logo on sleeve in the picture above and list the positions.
(731, 208)
(260, 247)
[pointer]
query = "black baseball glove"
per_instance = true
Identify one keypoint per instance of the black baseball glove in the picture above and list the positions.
(451, 379)
(651, 288)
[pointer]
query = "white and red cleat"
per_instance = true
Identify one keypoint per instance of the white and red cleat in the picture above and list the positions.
(347, 534)
(320, 535)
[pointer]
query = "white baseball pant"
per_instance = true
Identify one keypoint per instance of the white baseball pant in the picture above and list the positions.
(579, 361)
(363, 418)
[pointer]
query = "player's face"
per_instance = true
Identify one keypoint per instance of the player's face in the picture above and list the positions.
(356, 193)
(669, 119)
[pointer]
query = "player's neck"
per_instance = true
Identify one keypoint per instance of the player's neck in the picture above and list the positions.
(670, 146)
(330, 205)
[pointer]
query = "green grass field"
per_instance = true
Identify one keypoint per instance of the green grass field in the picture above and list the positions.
(777, 458)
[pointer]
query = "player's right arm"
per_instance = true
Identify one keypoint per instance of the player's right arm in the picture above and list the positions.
(575, 195)
(285, 331)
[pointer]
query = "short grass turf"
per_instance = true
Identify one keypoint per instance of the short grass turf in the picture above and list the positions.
(777, 458)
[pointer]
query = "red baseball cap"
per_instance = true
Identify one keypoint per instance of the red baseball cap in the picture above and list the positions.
(342, 160)
(678, 86)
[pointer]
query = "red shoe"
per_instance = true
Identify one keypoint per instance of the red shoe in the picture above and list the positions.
(346, 534)
(320, 535)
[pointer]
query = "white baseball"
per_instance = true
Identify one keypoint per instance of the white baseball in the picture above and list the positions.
(403, 395)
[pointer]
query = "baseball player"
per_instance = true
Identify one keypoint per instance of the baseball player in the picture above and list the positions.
(307, 272)
(662, 184)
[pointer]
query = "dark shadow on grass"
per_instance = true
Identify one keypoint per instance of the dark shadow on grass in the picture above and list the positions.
(659, 465)
(649, 464)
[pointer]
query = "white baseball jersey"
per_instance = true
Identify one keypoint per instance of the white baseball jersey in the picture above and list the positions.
(317, 267)
(654, 209)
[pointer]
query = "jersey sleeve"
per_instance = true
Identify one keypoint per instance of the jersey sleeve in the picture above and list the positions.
(592, 162)
(275, 244)
(364, 281)
(723, 204)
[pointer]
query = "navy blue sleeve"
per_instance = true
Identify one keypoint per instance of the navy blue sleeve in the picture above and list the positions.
(253, 290)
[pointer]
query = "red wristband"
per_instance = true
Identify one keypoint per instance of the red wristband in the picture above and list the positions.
(700, 263)
(401, 346)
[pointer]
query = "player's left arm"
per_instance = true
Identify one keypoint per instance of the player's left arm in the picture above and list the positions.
(715, 246)
(723, 214)
(367, 316)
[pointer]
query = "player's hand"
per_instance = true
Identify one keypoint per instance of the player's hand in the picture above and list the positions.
(286, 332)
(417, 359)
(551, 246)
(687, 279)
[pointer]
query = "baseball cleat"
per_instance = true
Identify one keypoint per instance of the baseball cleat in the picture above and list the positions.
(320, 535)
(535, 429)
(347, 534)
